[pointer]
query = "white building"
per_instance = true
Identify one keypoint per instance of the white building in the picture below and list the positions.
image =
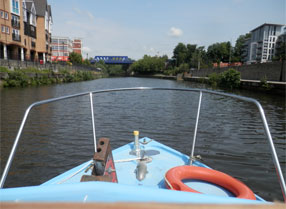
(61, 48)
(261, 47)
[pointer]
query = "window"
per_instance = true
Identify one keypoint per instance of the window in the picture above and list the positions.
(5, 29)
(15, 18)
(2, 14)
(16, 32)
(6, 16)
(15, 7)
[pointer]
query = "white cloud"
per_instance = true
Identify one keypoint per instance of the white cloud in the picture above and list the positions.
(86, 49)
(175, 32)
(90, 15)
(78, 11)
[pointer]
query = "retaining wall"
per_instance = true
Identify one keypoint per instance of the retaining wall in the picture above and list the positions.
(26, 64)
(273, 71)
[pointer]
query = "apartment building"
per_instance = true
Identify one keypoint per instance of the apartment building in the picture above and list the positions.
(63, 46)
(261, 46)
(26, 27)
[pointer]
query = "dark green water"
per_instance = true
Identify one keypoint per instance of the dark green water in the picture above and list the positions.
(59, 136)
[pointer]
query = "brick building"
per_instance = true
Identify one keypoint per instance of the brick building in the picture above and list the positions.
(77, 46)
(26, 27)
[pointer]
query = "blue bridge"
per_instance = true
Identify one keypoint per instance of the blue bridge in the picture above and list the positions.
(113, 59)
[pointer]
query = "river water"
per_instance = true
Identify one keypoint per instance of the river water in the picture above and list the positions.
(58, 136)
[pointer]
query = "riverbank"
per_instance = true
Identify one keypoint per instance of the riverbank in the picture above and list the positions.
(269, 87)
(36, 77)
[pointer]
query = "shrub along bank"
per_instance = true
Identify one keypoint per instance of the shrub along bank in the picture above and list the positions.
(35, 77)
(227, 79)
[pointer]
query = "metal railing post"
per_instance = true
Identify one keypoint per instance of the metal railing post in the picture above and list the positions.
(196, 128)
(273, 151)
(92, 120)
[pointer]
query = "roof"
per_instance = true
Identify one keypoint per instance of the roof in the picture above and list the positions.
(29, 5)
(41, 7)
(266, 24)
(50, 11)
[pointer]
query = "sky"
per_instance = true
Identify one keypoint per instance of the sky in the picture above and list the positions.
(134, 28)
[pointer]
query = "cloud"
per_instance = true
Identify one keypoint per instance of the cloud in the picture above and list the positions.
(78, 11)
(90, 15)
(175, 32)
(86, 49)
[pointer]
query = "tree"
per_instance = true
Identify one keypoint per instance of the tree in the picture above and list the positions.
(219, 52)
(180, 53)
(86, 62)
(238, 49)
(280, 48)
(75, 58)
(191, 49)
(149, 65)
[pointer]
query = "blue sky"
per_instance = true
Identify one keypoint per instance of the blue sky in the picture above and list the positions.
(154, 27)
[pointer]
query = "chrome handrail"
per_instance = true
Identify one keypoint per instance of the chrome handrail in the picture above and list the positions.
(261, 111)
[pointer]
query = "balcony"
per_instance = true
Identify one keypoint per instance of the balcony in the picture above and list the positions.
(30, 30)
(16, 37)
(15, 24)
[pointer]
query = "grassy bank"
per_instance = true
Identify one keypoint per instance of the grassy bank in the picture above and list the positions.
(35, 77)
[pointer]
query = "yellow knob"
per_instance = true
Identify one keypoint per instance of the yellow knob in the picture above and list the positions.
(136, 133)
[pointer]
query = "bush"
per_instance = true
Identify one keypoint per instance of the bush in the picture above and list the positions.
(230, 79)
(4, 70)
(214, 79)
(184, 67)
(227, 79)
(23, 77)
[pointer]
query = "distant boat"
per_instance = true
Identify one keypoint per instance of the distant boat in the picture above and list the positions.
(143, 170)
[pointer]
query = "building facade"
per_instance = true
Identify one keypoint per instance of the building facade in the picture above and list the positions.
(63, 46)
(77, 46)
(26, 27)
(261, 46)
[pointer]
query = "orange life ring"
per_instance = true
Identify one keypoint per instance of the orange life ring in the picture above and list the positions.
(174, 177)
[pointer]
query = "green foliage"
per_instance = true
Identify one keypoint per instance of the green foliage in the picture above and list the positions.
(230, 79)
(280, 49)
(149, 65)
(86, 62)
(17, 79)
(184, 67)
(219, 52)
(238, 49)
(35, 77)
(4, 70)
(264, 84)
(195, 56)
(180, 54)
(214, 79)
(227, 79)
(75, 58)
(116, 70)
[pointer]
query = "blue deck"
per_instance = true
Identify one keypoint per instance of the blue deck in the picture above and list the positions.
(67, 186)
